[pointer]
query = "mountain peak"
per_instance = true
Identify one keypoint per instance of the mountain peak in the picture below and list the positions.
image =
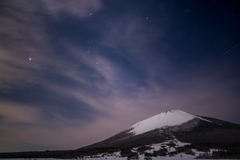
(164, 119)
(171, 111)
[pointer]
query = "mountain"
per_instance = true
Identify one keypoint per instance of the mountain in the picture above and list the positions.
(174, 124)
(171, 133)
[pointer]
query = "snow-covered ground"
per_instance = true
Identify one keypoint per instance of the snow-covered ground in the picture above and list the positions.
(159, 146)
(153, 147)
(170, 145)
(114, 158)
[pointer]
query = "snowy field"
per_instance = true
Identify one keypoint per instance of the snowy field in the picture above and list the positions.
(184, 157)
(152, 148)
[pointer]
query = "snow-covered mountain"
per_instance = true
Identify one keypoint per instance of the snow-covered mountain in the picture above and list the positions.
(174, 124)
(164, 119)
(169, 134)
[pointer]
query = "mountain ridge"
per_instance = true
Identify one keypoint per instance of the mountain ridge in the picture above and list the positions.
(182, 125)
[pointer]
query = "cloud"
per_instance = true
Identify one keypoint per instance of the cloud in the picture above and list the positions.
(25, 125)
(79, 9)
(120, 94)
(23, 37)
(132, 35)
(17, 113)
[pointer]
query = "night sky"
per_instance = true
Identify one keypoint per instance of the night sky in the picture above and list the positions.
(73, 73)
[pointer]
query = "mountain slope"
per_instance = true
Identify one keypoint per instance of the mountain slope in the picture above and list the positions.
(174, 124)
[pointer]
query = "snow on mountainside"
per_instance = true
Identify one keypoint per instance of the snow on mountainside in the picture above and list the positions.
(164, 119)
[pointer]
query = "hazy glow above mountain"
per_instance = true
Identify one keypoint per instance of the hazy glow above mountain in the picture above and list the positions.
(168, 118)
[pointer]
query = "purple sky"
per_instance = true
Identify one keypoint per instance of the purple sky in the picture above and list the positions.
(73, 73)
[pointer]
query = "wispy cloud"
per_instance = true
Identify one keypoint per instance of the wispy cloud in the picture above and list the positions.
(80, 9)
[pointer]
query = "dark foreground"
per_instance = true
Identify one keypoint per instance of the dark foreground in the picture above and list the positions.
(225, 150)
